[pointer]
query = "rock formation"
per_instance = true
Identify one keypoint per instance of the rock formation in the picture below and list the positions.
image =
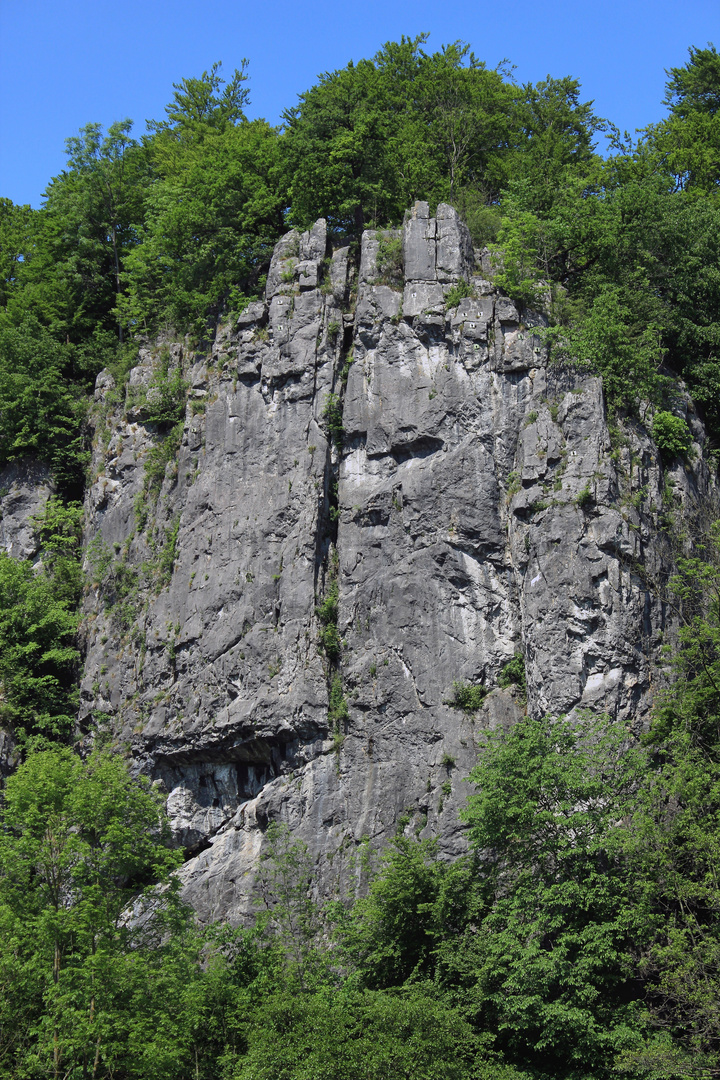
(475, 505)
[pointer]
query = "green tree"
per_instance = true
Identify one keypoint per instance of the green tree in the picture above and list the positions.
(337, 146)
(415, 901)
(554, 134)
(38, 626)
(213, 213)
(41, 415)
(16, 230)
(200, 105)
(108, 173)
(469, 110)
(80, 842)
(38, 653)
(689, 138)
(369, 139)
(548, 965)
(71, 276)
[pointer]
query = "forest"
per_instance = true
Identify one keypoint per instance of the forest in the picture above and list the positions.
(579, 939)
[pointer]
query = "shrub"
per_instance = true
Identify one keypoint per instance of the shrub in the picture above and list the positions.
(327, 613)
(458, 292)
(513, 674)
(337, 705)
(167, 394)
(671, 434)
(467, 697)
(332, 415)
(583, 497)
(390, 258)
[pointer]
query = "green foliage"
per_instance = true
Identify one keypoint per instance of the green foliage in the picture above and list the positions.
(458, 293)
(483, 221)
(689, 138)
(213, 212)
(73, 249)
(555, 133)
(514, 482)
(199, 105)
(692, 703)
(38, 651)
(38, 628)
(467, 697)
(166, 394)
(627, 355)
(583, 497)
(330, 642)
(517, 254)
(80, 841)
(101, 196)
(671, 434)
(168, 552)
(553, 954)
(370, 138)
(327, 612)
(41, 415)
(513, 674)
(390, 259)
(16, 232)
(337, 705)
(361, 1035)
(411, 904)
(597, 260)
(332, 415)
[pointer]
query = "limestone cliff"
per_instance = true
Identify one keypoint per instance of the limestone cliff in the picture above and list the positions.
(476, 506)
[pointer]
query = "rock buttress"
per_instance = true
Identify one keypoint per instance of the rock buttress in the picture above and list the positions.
(473, 505)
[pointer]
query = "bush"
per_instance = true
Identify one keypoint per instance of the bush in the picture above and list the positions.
(671, 434)
(513, 674)
(332, 414)
(390, 258)
(467, 697)
(583, 497)
(167, 394)
(457, 293)
(337, 704)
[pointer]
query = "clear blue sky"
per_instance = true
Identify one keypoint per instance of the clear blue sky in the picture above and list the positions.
(64, 63)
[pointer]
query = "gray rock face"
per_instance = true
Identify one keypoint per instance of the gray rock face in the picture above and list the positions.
(477, 508)
(25, 487)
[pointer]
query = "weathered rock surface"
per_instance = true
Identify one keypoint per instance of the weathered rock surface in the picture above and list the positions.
(479, 506)
(25, 487)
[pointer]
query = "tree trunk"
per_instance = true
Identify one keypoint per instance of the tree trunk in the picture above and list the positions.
(56, 1033)
(117, 276)
(359, 221)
